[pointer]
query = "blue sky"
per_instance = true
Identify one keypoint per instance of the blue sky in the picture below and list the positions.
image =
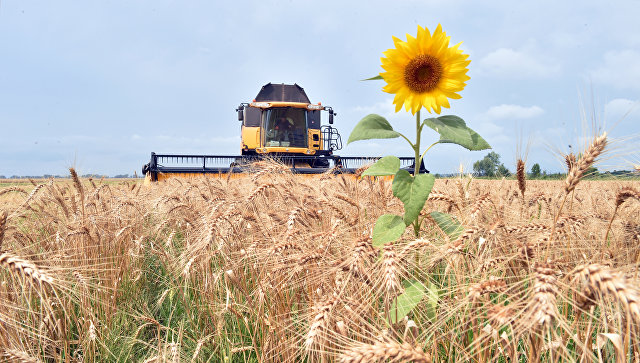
(99, 85)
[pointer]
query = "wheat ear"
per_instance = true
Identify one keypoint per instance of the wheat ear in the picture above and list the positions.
(385, 351)
(318, 328)
(570, 160)
(391, 278)
(621, 197)
(521, 175)
(545, 288)
(579, 167)
(585, 162)
(601, 278)
(14, 355)
(25, 268)
(3, 226)
(13, 189)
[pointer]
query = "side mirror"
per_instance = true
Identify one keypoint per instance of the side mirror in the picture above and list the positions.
(240, 114)
(331, 117)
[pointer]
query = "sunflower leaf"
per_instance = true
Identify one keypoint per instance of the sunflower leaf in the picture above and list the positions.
(372, 127)
(433, 295)
(412, 191)
(448, 225)
(389, 165)
(453, 129)
(375, 78)
(413, 294)
(388, 228)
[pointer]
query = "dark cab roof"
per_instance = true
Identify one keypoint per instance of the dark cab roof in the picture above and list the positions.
(282, 93)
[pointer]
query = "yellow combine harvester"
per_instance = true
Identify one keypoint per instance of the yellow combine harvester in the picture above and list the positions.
(281, 124)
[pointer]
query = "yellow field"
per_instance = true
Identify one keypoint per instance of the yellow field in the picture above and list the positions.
(275, 268)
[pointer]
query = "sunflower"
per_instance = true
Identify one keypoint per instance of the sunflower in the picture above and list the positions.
(424, 71)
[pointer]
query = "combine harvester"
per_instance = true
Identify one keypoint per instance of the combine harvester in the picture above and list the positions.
(280, 124)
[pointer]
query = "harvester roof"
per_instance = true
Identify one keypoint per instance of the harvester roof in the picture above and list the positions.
(282, 93)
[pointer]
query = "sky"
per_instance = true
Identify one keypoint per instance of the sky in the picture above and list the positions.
(99, 85)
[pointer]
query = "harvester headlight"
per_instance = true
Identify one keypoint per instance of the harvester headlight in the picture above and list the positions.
(260, 104)
(309, 151)
(315, 107)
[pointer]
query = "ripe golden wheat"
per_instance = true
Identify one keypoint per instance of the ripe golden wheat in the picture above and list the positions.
(277, 268)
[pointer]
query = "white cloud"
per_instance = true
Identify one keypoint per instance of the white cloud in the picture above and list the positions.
(621, 69)
(494, 134)
(503, 111)
(620, 107)
(510, 63)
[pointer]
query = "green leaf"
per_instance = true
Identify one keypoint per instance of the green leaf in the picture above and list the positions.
(413, 192)
(448, 225)
(407, 301)
(389, 165)
(452, 129)
(372, 127)
(373, 78)
(432, 302)
(388, 228)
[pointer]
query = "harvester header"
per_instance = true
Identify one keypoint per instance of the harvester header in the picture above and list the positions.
(281, 123)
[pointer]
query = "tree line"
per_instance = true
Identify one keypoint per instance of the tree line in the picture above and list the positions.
(490, 166)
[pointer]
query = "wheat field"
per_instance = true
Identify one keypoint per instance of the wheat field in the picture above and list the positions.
(272, 267)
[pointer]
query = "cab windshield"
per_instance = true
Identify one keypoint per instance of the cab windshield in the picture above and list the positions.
(285, 127)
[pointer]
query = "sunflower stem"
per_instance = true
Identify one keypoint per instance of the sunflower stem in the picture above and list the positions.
(430, 146)
(416, 166)
(409, 141)
(416, 146)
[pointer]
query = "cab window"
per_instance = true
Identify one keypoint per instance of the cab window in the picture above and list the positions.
(285, 127)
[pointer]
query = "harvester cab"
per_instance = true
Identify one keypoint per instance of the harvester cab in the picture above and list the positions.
(282, 124)
(281, 121)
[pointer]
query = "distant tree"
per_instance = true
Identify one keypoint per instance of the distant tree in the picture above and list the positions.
(488, 166)
(503, 171)
(3, 177)
(535, 171)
